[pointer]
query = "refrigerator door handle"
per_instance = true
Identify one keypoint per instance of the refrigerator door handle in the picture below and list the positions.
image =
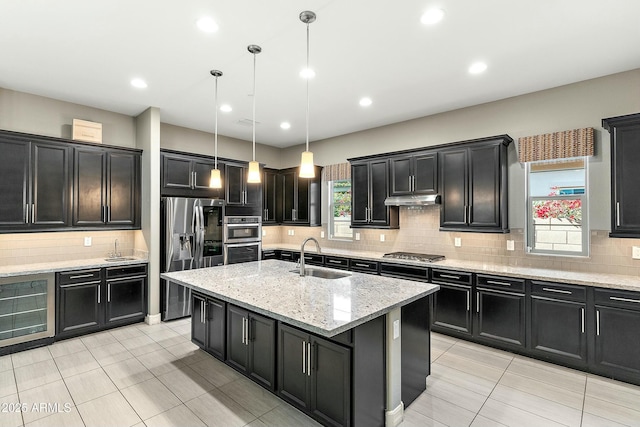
(169, 238)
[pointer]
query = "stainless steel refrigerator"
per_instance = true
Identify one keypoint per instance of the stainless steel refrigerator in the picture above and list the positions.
(192, 234)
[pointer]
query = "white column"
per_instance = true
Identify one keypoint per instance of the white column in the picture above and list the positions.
(394, 413)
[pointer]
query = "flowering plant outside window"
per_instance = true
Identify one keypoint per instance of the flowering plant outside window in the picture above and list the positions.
(570, 209)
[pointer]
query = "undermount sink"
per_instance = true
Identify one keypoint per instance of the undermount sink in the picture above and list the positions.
(120, 258)
(323, 274)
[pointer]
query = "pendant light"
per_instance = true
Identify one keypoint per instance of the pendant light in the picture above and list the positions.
(215, 181)
(307, 169)
(254, 167)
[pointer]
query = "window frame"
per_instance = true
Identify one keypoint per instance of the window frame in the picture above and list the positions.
(529, 218)
(330, 220)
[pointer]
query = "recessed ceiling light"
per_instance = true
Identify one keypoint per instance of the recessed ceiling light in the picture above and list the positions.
(365, 102)
(207, 24)
(285, 125)
(139, 83)
(477, 67)
(432, 16)
(307, 73)
(225, 108)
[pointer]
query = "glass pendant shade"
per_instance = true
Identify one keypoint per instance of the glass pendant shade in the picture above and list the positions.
(306, 165)
(254, 173)
(215, 181)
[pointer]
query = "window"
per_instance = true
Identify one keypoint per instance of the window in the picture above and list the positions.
(557, 209)
(340, 210)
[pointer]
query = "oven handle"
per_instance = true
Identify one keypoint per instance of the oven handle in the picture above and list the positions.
(239, 245)
(250, 224)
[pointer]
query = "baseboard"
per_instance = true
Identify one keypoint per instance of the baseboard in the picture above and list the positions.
(394, 417)
(152, 319)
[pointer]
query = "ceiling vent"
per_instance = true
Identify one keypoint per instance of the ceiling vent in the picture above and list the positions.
(247, 122)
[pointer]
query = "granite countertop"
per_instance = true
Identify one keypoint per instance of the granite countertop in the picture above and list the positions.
(52, 267)
(613, 281)
(323, 306)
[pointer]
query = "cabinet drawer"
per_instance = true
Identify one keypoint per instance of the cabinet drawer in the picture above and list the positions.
(80, 276)
(500, 283)
(364, 266)
(617, 298)
(126, 270)
(336, 262)
(289, 256)
(314, 259)
(269, 254)
(559, 291)
(404, 271)
(447, 276)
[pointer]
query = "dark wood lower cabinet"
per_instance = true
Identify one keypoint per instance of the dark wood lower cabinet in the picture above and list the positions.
(90, 300)
(616, 347)
(314, 375)
(416, 349)
(251, 345)
(452, 310)
(208, 324)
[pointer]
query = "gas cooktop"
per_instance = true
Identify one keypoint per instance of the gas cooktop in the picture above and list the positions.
(413, 256)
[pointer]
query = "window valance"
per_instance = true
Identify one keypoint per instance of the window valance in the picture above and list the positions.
(336, 172)
(557, 145)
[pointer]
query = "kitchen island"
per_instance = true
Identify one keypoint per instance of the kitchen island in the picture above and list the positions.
(334, 344)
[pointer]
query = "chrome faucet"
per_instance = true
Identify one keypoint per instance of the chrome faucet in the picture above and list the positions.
(302, 252)
(116, 254)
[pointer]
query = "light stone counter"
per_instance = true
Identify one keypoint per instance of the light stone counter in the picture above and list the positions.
(613, 281)
(52, 267)
(323, 306)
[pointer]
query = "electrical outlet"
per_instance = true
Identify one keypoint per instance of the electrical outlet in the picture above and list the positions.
(322, 234)
(291, 233)
(357, 236)
(87, 241)
(264, 232)
(396, 329)
(382, 237)
(635, 252)
(457, 242)
(511, 245)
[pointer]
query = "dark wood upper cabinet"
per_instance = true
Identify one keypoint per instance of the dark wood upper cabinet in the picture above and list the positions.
(34, 184)
(414, 174)
(272, 197)
(240, 193)
(625, 175)
(474, 186)
(300, 197)
(106, 188)
(369, 189)
(188, 176)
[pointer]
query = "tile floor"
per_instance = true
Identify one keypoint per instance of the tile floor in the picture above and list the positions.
(143, 375)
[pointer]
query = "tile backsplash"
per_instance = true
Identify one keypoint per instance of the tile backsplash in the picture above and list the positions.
(419, 232)
(29, 248)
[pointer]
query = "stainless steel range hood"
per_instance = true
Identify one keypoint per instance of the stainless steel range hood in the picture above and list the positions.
(413, 200)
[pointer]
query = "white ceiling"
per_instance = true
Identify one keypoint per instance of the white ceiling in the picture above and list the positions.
(87, 51)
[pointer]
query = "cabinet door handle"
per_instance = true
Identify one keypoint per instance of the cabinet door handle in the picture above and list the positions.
(242, 336)
(558, 291)
(109, 213)
(624, 299)
(465, 214)
(98, 294)
(202, 316)
(33, 213)
(309, 359)
(470, 212)
(409, 182)
(304, 357)
(582, 317)
(109, 292)
(247, 337)
(413, 183)
(26, 213)
(617, 214)
(468, 300)
(495, 282)
(477, 302)
(598, 322)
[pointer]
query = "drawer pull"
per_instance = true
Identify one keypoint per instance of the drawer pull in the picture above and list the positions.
(558, 291)
(624, 299)
(81, 276)
(333, 261)
(494, 282)
(450, 276)
(357, 264)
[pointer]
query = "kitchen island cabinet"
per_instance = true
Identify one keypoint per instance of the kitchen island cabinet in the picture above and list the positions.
(346, 326)
(208, 324)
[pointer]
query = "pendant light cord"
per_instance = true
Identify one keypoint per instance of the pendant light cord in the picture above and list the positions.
(308, 77)
(254, 107)
(215, 144)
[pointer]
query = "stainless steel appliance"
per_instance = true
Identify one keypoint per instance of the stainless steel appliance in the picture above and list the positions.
(242, 239)
(27, 308)
(192, 238)
(413, 256)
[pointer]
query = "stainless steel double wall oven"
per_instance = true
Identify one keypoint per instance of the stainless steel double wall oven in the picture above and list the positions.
(242, 239)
